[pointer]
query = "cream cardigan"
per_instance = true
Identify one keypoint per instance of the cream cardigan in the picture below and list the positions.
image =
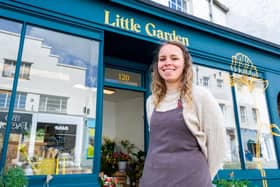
(205, 121)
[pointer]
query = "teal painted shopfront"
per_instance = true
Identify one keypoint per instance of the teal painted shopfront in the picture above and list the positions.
(75, 71)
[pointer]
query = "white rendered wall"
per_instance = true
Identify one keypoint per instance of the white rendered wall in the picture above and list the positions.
(255, 17)
(109, 119)
(130, 121)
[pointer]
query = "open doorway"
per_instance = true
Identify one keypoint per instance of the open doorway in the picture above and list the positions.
(123, 116)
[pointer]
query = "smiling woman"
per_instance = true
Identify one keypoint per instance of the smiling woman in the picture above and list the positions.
(177, 112)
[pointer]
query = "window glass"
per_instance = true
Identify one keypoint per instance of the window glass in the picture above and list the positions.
(9, 40)
(254, 122)
(278, 104)
(179, 5)
(56, 94)
(207, 77)
(123, 77)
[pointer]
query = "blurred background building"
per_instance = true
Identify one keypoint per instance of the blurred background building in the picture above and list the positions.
(254, 17)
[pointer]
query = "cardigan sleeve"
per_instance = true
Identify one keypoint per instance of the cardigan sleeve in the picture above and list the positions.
(213, 122)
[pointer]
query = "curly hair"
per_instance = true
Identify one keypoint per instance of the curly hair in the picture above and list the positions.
(158, 84)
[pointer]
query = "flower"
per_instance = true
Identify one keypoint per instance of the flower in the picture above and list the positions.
(106, 181)
(120, 156)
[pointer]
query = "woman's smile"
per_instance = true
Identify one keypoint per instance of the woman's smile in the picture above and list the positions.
(171, 64)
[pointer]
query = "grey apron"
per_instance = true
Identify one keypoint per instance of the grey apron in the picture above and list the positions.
(174, 158)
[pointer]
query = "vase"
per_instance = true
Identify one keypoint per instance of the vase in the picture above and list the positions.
(122, 166)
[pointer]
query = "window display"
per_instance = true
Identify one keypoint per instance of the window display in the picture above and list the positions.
(257, 140)
(9, 35)
(52, 131)
(208, 78)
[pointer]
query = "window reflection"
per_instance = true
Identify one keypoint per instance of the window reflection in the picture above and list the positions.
(57, 82)
(255, 123)
(10, 66)
(278, 104)
(217, 82)
(10, 36)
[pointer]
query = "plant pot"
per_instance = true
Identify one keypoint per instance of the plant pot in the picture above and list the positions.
(122, 166)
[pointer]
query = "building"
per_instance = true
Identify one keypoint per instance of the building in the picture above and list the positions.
(74, 73)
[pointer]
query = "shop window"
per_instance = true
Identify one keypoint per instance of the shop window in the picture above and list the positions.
(9, 69)
(255, 125)
(9, 39)
(54, 104)
(278, 104)
(54, 135)
(207, 77)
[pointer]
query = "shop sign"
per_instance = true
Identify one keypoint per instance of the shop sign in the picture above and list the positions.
(21, 123)
(61, 128)
(148, 28)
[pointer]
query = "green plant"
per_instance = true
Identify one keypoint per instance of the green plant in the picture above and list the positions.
(40, 132)
(108, 162)
(135, 167)
(120, 156)
(127, 147)
(106, 181)
(13, 177)
(231, 183)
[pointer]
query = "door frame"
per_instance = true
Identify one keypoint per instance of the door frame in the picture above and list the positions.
(144, 70)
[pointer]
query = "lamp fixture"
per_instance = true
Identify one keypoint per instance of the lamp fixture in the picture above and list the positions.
(108, 91)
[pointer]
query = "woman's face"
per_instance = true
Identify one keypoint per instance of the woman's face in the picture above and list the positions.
(171, 65)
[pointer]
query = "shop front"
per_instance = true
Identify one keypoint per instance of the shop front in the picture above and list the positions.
(76, 75)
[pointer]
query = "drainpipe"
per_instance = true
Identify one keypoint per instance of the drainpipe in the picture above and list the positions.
(211, 10)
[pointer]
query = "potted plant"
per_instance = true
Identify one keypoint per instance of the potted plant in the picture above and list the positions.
(106, 181)
(108, 162)
(13, 177)
(135, 167)
(122, 159)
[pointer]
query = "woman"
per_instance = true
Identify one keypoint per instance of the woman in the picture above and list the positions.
(187, 137)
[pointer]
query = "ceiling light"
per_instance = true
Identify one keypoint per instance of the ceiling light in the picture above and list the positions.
(108, 91)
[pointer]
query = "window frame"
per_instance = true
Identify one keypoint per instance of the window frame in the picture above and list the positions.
(178, 5)
(237, 113)
(46, 104)
(71, 28)
(17, 102)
